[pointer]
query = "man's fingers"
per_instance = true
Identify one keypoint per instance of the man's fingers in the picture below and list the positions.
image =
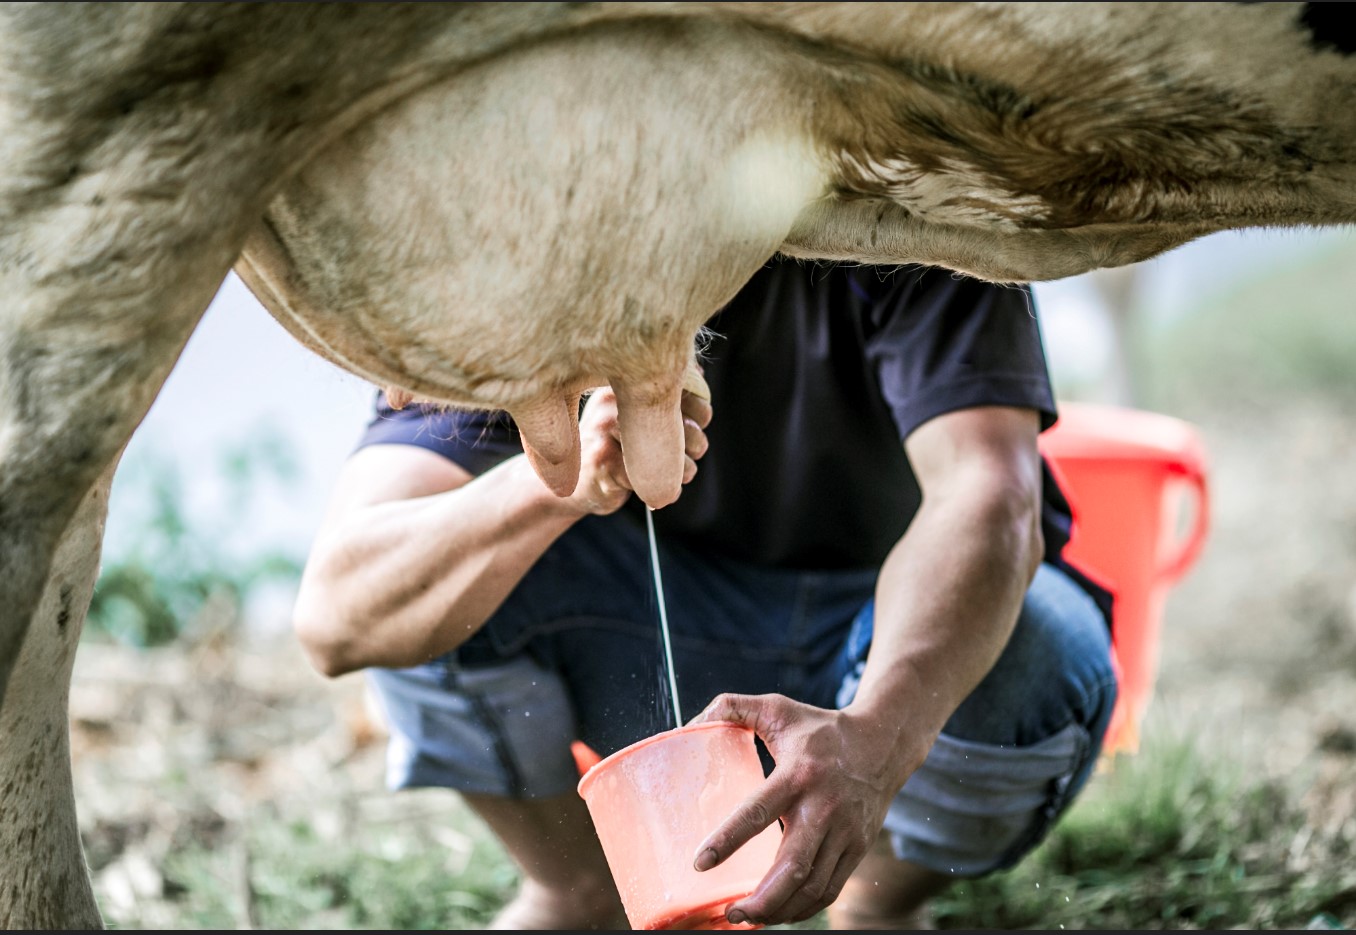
(739, 709)
(694, 440)
(694, 383)
(397, 398)
(689, 470)
(696, 403)
(756, 813)
(806, 859)
(847, 863)
(697, 409)
(829, 874)
(550, 435)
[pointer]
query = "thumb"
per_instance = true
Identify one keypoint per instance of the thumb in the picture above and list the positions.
(397, 398)
(746, 710)
(695, 383)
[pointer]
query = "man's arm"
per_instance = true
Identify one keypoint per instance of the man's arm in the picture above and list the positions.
(415, 554)
(951, 590)
(947, 600)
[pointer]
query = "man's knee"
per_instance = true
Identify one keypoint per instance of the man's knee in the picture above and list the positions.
(1055, 671)
(499, 730)
(973, 808)
(1021, 746)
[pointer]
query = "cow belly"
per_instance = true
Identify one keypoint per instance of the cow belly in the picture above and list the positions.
(558, 218)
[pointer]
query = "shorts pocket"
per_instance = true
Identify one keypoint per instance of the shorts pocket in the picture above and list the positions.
(973, 808)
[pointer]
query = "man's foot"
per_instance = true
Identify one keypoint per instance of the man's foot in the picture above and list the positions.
(887, 893)
(566, 883)
(586, 907)
(846, 917)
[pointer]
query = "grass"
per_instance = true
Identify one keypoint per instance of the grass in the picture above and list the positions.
(1171, 838)
(439, 869)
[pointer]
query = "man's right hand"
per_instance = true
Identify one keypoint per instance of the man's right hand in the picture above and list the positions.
(415, 553)
(603, 485)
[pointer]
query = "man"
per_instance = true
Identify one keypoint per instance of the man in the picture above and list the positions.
(865, 569)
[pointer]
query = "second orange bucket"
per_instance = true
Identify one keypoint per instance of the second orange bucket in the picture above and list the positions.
(1127, 474)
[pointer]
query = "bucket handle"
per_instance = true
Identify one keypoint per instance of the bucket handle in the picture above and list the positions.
(1179, 562)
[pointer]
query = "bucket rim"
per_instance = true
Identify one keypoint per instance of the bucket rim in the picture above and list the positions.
(625, 752)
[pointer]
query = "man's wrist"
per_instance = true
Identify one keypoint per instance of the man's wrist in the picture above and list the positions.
(900, 742)
(538, 499)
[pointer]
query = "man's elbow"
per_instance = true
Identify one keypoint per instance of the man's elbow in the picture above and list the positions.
(1024, 517)
(324, 639)
(1035, 543)
(1018, 516)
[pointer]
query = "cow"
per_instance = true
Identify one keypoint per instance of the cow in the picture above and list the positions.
(500, 205)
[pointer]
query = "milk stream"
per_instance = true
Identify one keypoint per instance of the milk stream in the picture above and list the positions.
(663, 618)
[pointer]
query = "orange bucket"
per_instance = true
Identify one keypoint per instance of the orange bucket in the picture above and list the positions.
(654, 802)
(1127, 475)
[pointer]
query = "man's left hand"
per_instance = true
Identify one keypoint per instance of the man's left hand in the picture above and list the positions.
(835, 777)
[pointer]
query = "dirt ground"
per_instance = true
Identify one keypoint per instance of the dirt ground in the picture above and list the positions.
(1259, 645)
(1259, 661)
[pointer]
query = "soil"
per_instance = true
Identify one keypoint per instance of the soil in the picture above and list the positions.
(1259, 642)
(1259, 662)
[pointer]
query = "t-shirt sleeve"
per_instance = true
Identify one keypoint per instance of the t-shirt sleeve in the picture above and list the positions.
(476, 440)
(942, 342)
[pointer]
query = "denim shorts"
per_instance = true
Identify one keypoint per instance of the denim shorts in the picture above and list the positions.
(575, 653)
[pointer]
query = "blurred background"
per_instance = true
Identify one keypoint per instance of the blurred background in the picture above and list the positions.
(221, 783)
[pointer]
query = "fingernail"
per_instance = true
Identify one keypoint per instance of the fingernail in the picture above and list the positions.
(736, 917)
(705, 860)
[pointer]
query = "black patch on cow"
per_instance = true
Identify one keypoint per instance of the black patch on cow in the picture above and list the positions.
(1329, 26)
(64, 612)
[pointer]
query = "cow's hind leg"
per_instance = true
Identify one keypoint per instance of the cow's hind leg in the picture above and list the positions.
(139, 144)
(100, 288)
(73, 386)
(83, 350)
(43, 881)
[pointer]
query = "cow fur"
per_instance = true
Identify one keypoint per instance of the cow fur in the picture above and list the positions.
(503, 204)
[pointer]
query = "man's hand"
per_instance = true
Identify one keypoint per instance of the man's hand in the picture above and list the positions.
(603, 483)
(835, 777)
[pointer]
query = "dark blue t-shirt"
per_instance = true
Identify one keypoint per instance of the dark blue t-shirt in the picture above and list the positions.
(817, 375)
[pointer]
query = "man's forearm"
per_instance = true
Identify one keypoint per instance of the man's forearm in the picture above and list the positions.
(400, 582)
(947, 600)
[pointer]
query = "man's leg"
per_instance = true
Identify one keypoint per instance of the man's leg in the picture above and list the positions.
(887, 893)
(499, 732)
(494, 720)
(1007, 764)
(566, 883)
(575, 653)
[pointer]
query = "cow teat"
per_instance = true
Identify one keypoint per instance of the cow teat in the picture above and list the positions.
(649, 423)
(650, 420)
(549, 429)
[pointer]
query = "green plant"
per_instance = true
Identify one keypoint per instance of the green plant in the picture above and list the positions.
(169, 575)
(1171, 838)
(286, 874)
(1289, 336)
